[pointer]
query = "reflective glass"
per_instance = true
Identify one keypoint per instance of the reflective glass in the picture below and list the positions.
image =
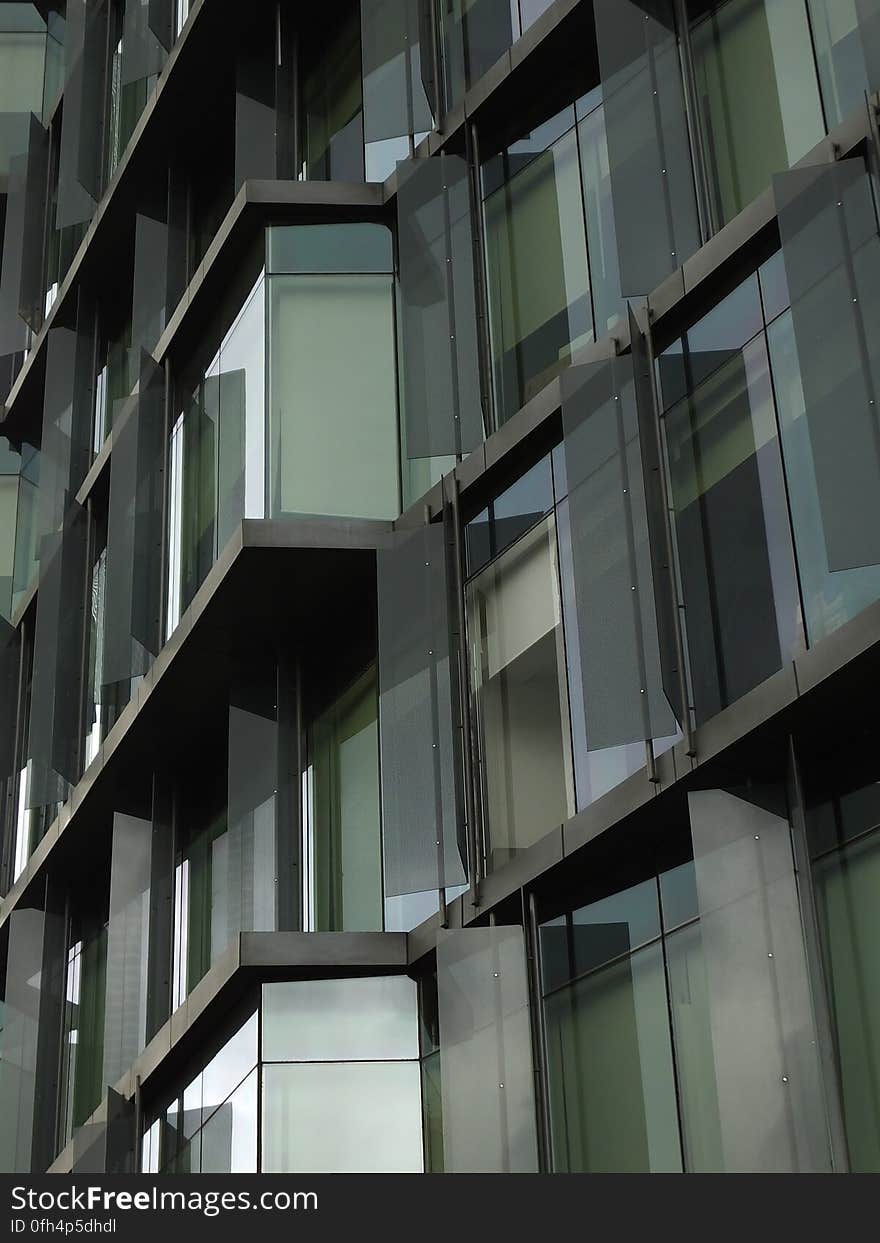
(344, 862)
(332, 104)
(758, 96)
(827, 361)
(228, 1140)
(518, 679)
(738, 582)
(601, 229)
(301, 249)
(768, 1088)
(419, 812)
(536, 256)
(342, 1118)
(846, 894)
(362, 1019)
(837, 38)
(228, 1068)
(438, 329)
(398, 85)
(610, 1076)
(614, 647)
(333, 426)
(486, 1053)
(647, 136)
(125, 1009)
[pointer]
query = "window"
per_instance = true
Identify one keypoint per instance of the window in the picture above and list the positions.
(738, 582)
(842, 820)
(343, 849)
(518, 677)
(341, 1090)
(332, 374)
(758, 94)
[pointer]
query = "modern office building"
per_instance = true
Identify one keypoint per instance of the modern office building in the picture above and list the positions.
(440, 585)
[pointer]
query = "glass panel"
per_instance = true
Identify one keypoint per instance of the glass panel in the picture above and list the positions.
(840, 56)
(518, 678)
(228, 1068)
(345, 859)
(228, 1140)
(509, 516)
(149, 291)
(257, 56)
(648, 149)
(438, 327)
(420, 828)
(300, 249)
(26, 525)
(758, 95)
(601, 231)
(475, 34)
(536, 257)
(53, 743)
(363, 1019)
(83, 1030)
(485, 1041)
(18, 1038)
(243, 868)
(342, 1118)
(332, 105)
(738, 582)
(610, 1076)
(134, 537)
(827, 384)
(242, 415)
(396, 105)
(142, 53)
(767, 1076)
(614, 625)
(334, 428)
(432, 1111)
(85, 37)
(831, 597)
(847, 884)
(125, 1009)
(695, 1058)
(198, 511)
(27, 144)
(869, 24)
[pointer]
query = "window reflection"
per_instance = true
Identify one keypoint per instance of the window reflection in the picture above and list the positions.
(758, 94)
(518, 673)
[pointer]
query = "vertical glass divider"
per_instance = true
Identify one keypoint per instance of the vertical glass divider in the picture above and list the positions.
(472, 158)
(441, 866)
(708, 224)
(474, 836)
(815, 969)
(668, 545)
